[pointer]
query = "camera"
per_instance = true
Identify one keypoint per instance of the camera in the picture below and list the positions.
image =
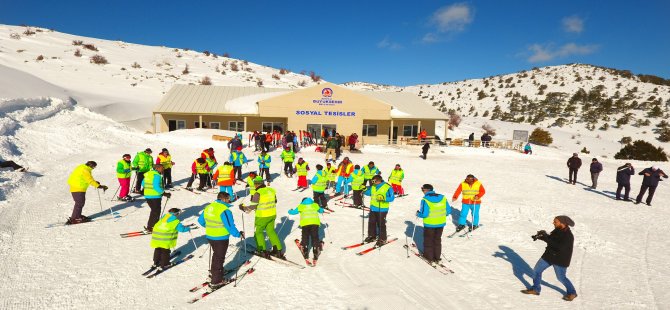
(538, 235)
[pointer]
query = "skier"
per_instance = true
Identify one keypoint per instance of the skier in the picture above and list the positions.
(319, 182)
(623, 180)
(309, 222)
(557, 254)
(595, 169)
(264, 201)
(225, 179)
(11, 164)
(423, 135)
(331, 174)
(234, 143)
(268, 141)
(153, 194)
(368, 172)
(434, 210)
(219, 226)
(344, 170)
(264, 161)
(301, 169)
(358, 186)
(424, 150)
(250, 182)
(199, 168)
(574, 163)
(164, 237)
(381, 196)
(212, 163)
(237, 158)
(123, 173)
(142, 163)
(395, 178)
(287, 156)
(472, 190)
(79, 181)
(164, 158)
(650, 181)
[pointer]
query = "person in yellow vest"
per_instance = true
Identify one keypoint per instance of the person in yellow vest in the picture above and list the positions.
(153, 194)
(319, 182)
(381, 196)
(142, 164)
(344, 170)
(358, 186)
(301, 169)
(472, 190)
(199, 168)
(80, 179)
(251, 188)
(164, 238)
(288, 157)
(264, 202)
(434, 210)
(369, 171)
(237, 158)
(331, 174)
(225, 178)
(395, 178)
(164, 158)
(309, 223)
(219, 226)
(123, 173)
(264, 161)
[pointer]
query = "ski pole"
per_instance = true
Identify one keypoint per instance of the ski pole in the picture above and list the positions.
(282, 225)
(99, 199)
(116, 191)
(166, 202)
(245, 239)
(203, 253)
(362, 225)
(194, 246)
(413, 232)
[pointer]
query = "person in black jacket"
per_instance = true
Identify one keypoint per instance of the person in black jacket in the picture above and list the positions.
(650, 181)
(623, 174)
(574, 163)
(424, 150)
(595, 169)
(557, 254)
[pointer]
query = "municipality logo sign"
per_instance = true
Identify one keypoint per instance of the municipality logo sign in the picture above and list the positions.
(327, 92)
(326, 98)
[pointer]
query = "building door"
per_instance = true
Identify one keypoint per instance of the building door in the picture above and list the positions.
(317, 130)
(393, 134)
(172, 125)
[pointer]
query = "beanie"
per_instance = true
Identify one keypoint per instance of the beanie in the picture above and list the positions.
(565, 220)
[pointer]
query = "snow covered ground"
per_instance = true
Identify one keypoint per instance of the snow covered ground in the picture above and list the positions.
(619, 260)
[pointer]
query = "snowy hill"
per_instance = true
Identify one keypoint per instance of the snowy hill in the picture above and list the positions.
(135, 76)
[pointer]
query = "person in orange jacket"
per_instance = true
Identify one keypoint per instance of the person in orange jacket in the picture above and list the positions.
(225, 179)
(472, 191)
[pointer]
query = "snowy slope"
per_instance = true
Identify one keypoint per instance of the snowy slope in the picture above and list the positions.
(619, 259)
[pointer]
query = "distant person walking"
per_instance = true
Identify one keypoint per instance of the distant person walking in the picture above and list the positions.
(623, 174)
(596, 168)
(650, 181)
(574, 163)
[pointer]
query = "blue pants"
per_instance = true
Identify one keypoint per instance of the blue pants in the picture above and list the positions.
(343, 182)
(541, 265)
(229, 190)
(465, 209)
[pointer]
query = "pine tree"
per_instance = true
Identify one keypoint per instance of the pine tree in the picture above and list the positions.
(641, 150)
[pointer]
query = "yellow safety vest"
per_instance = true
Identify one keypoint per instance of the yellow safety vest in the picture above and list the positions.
(213, 225)
(267, 204)
(331, 174)
(321, 182)
(309, 214)
(200, 168)
(81, 178)
(378, 196)
(397, 176)
(301, 169)
(369, 173)
(357, 180)
(252, 187)
(149, 189)
(126, 166)
(437, 212)
(166, 161)
(469, 192)
(224, 173)
(164, 234)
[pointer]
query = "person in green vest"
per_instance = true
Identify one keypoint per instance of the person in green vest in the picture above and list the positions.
(301, 169)
(142, 164)
(395, 178)
(358, 186)
(319, 182)
(80, 179)
(123, 173)
(199, 169)
(237, 158)
(369, 171)
(250, 182)
(164, 237)
(434, 209)
(153, 194)
(264, 202)
(331, 174)
(309, 222)
(381, 196)
(219, 226)
(264, 161)
(287, 156)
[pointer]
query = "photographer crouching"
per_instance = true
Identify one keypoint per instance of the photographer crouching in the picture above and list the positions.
(557, 254)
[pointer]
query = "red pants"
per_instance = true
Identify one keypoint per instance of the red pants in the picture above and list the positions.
(125, 187)
(302, 181)
(397, 189)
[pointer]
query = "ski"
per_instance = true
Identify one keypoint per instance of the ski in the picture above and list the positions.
(173, 255)
(439, 267)
(225, 273)
(303, 189)
(375, 247)
(307, 262)
(355, 245)
(348, 205)
(469, 232)
(232, 280)
(178, 262)
(135, 234)
(285, 262)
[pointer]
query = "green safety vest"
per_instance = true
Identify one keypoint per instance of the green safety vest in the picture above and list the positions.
(149, 189)
(213, 225)
(267, 204)
(309, 214)
(252, 187)
(288, 157)
(166, 161)
(379, 194)
(143, 161)
(331, 174)
(357, 180)
(200, 168)
(437, 212)
(321, 182)
(369, 173)
(266, 159)
(301, 170)
(125, 165)
(164, 234)
(396, 176)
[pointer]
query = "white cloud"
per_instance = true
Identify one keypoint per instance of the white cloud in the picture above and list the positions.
(547, 52)
(388, 44)
(449, 20)
(573, 24)
(430, 38)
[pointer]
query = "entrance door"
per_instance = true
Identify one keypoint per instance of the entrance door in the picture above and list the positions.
(317, 130)
(172, 125)
(394, 135)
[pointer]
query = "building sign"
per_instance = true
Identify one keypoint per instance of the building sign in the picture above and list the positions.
(326, 98)
(324, 113)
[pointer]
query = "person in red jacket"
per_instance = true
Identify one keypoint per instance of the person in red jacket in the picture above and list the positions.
(353, 138)
(201, 169)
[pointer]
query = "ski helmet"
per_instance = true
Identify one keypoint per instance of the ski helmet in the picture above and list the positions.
(175, 211)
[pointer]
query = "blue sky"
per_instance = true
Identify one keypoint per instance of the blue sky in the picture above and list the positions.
(388, 42)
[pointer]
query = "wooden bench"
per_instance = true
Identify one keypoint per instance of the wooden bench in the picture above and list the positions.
(221, 138)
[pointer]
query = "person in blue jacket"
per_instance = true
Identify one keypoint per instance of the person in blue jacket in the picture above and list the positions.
(164, 237)
(319, 183)
(238, 159)
(264, 161)
(381, 196)
(309, 222)
(434, 210)
(219, 226)
(152, 183)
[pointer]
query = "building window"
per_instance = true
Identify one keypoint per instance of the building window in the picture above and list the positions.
(214, 125)
(369, 130)
(410, 130)
(270, 126)
(181, 124)
(236, 126)
(174, 124)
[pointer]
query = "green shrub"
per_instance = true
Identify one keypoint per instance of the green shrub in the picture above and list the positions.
(541, 137)
(642, 150)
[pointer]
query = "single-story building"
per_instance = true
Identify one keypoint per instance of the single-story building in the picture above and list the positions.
(326, 106)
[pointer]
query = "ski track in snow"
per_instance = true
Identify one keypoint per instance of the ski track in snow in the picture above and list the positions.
(618, 259)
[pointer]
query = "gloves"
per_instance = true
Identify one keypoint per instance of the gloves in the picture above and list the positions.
(417, 213)
(242, 207)
(168, 195)
(126, 170)
(135, 168)
(242, 235)
(104, 188)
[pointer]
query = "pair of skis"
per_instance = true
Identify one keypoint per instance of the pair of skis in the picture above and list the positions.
(439, 267)
(467, 233)
(249, 271)
(311, 263)
(366, 251)
(299, 189)
(282, 261)
(344, 204)
(105, 217)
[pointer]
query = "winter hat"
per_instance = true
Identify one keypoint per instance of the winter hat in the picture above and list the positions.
(427, 186)
(565, 220)
(91, 164)
(175, 211)
(164, 150)
(126, 155)
(148, 150)
(239, 148)
(258, 179)
(575, 154)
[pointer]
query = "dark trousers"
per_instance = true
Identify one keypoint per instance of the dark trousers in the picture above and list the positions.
(140, 178)
(358, 197)
(288, 168)
(161, 257)
(265, 171)
(167, 177)
(618, 190)
(377, 219)
(219, 249)
(352, 147)
(154, 215)
(9, 163)
(572, 176)
(338, 151)
(432, 243)
(311, 233)
(643, 190)
(79, 201)
(266, 146)
(425, 155)
(238, 172)
(320, 199)
(203, 180)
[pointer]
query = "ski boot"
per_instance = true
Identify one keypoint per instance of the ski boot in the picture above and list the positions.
(460, 227)
(380, 242)
(277, 253)
(369, 239)
(305, 252)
